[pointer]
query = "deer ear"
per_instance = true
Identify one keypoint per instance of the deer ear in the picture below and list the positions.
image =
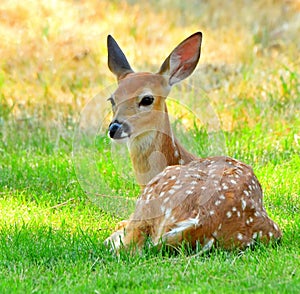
(117, 61)
(183, 59)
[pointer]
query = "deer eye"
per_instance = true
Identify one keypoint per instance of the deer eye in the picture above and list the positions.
(146, 101)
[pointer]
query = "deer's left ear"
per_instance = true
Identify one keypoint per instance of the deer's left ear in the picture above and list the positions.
(183, 59)
(117, 61)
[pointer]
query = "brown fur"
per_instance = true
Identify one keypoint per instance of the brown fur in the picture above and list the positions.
(215, 200)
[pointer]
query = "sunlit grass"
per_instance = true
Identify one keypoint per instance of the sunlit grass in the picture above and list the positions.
(53, 220)
(54, 53)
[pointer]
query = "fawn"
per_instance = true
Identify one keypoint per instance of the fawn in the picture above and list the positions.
(210, 201)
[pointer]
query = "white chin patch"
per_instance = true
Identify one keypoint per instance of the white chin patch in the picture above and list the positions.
(124, 137)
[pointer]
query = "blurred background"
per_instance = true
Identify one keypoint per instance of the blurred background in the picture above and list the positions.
(54, 57)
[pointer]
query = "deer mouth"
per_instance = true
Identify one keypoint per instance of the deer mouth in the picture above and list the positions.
(119, 131)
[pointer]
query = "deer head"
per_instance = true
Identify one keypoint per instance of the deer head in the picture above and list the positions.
(140, 115)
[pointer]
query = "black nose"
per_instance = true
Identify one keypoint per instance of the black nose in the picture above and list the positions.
(118, 130)
(114, 127)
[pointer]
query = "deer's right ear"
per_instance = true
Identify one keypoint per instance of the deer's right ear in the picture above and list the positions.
(183, 59)
(117, 61)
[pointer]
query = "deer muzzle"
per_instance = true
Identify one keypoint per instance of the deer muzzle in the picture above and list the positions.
(118, 130)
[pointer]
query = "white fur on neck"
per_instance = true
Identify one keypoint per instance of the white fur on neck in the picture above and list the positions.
(141, 142)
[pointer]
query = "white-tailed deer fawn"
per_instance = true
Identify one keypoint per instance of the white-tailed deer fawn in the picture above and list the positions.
(216, 200)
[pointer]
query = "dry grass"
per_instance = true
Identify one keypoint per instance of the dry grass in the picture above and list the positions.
(54, 52)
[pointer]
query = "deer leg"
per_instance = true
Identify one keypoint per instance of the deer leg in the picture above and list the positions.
(189, 231)
(131, 235)
(115, 240)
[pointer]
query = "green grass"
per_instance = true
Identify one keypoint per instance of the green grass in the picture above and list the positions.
(52, 233)
(45, 260)
(57, 209)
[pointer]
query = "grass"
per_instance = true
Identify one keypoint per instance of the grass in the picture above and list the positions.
(53, 213)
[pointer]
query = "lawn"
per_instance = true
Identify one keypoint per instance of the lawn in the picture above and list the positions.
(63, 186)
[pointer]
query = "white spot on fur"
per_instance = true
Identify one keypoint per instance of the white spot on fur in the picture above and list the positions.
(161, 194)
(233, 182)
(238, 214)
(244, 204)
(228, 214)
(168, 213)
(218, 202)
(181, 161)
(188, 192)
(254, 236)
(172, 191)
(256, 213)
(270, 234)
(240, 236)
(166, 199)
(176, 154)
(233, 209)
(222, 197)
(249, 220)
(246, 193)
(225, 187)
(212, 212)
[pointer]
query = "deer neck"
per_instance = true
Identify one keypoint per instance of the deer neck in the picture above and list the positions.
(153, 151)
